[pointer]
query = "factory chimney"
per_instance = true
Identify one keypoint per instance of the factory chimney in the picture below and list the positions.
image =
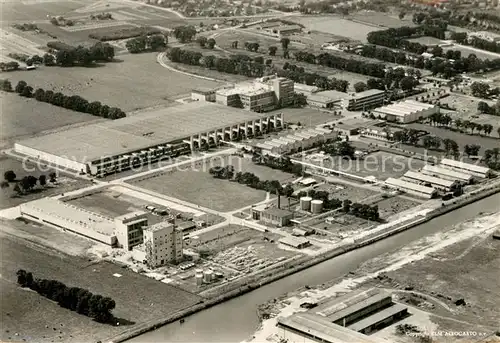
(279, 200)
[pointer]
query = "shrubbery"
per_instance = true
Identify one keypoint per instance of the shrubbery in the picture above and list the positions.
(125, 33)
(67, 55)
(74, 102)
(146, 43)
(74, 298)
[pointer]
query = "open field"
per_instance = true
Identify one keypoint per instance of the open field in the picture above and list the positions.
(382, 19)
(460, 138)
(22, 117)
(466, 270)
(136, 82)
(394, 205)
(196, 185)
(336, 25)
(345, 191)
(31, 317)
(466, 109)
(466, 51)
(9, 198)
(380, 164)
(11, 42)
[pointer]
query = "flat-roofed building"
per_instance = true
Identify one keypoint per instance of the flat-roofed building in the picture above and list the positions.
(406, 111)
(162, 245)
(411, 188)
(435, 182)
(368, 99)
(273, 216)
(447, 174)
(299, 140)
(307, 90)
(388, 315)
(327, 99)
(116, 145)
(203, 94)
(67, 217)
(475, 170)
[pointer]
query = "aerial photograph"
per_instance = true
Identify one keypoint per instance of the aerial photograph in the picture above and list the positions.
(250, 171)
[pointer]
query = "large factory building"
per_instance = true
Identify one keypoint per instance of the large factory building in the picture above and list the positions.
(112, 146)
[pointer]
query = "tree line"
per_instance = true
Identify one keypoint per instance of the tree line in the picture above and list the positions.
(449, 64)
(75, 299)
(445, 120)
(67, 55)
(73, 102)
(476, 42)
(146, 43)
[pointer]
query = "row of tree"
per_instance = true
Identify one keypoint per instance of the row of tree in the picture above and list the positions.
(28, 183)
(205, 42)
(343, 149)
(74, 102)
(74, 298)
(483, 107)
(483, 90)
(441, 119)
(299, 75)
(185, 33)
(146, 43)
(492, 158)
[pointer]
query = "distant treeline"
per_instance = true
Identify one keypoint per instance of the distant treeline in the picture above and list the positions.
(125, 33)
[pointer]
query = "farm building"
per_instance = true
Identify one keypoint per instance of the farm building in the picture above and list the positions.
(447, 174)
(347, 317)
(435, 182)
(469, 168)
(411, 188)
(295, 242)
(123, 231)
(116, 145)
(406, 111)
(272, 216)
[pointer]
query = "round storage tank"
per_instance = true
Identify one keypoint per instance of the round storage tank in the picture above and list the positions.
(208, 276)
(199, 279)
(199, 271)
(316, 206)
(305, 203)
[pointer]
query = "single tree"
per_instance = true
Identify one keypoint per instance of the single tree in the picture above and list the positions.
(42, 179)
(9, 176)
(211, 43)
(285, 42)
(20, 86)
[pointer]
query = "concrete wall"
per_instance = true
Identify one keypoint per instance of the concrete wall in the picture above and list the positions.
(43, 156)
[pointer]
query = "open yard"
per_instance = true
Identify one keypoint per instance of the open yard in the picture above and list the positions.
(28, 316)
(380, 164)
(22, 117)
(134, 82)
(394, 205)
(193, 183)
(382, 19)
(9, 198)
(466, 51)
(344, 191)
(306, 116)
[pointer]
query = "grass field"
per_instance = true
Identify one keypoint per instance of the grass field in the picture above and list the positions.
(394, 205)
(33, 318)
(337, 25)
(466, 51)
(344, 191)
(36, 10)
(460, 138)
(9, 198)
(382, 19)
(196, 185)
(136, 82)
(22, 117)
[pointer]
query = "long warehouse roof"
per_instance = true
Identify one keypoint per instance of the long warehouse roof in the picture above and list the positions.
(429, 179)
(465, 166)
(410, 185)
(452, 174)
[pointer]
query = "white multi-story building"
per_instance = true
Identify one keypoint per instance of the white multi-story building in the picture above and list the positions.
(162, 245)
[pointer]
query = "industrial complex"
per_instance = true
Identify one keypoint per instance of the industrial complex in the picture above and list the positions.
(146, 137)
(348, 318)
(406, 111)
(361, 101)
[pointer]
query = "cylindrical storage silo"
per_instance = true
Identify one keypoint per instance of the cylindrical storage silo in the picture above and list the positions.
(305, 203)
(316, 206)
(207, 275)
(199, 279)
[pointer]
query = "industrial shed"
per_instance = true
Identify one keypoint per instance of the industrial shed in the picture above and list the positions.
(406, 111)
(295, 242)
(411, 188)
(447, 174)
(435, 182)
(473, 169)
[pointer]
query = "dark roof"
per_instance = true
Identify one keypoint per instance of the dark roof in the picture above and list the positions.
(186, 225)
(377, 317)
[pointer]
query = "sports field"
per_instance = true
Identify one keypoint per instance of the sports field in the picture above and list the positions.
(337, 26)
